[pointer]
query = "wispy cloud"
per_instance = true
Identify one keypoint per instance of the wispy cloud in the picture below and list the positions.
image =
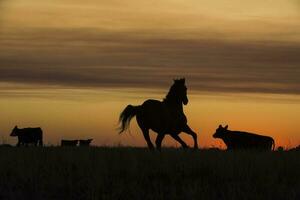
(218, 46)
(93, 58)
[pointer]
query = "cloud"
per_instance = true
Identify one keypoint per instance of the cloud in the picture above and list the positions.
(139, 59)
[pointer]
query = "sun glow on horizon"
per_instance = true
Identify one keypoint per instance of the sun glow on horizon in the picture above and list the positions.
(93, 113)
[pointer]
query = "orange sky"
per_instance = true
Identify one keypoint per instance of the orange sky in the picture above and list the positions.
(71, 66)
(93, 113)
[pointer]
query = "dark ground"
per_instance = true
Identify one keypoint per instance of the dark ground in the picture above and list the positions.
(137, 173)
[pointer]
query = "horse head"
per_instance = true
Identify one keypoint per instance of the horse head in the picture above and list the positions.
(178, 92)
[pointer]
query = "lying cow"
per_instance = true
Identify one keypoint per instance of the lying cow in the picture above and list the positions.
(243, 140)
(85, 142)
(69, 143)
(28, 136)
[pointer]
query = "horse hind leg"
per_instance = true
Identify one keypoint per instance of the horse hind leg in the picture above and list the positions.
(158, 141)
(147, 138)
(141, 122)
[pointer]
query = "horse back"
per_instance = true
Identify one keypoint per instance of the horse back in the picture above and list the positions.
(152, 102)
(160, 117)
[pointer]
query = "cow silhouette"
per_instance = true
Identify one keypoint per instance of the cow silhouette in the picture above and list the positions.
(295, 148)
(243, 140)
(28, 136)
(69, 143)
(85, 142)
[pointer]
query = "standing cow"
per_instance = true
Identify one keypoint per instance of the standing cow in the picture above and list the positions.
(69, 143)
(83, 143)
(28, 136)
(243, 140)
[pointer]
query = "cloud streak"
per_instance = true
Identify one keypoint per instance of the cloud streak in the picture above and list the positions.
(93, 58)
(218, 46)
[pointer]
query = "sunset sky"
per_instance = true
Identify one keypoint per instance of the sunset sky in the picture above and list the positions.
(71, 66)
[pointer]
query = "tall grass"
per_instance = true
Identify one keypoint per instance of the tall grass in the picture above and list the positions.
(137, 173)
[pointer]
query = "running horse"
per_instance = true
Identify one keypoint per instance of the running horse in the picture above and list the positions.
(163, 117)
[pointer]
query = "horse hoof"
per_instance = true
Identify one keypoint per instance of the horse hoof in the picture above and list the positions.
(151, 148)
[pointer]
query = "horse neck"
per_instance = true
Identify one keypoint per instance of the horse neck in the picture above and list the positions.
(172, 100)
(174, 103)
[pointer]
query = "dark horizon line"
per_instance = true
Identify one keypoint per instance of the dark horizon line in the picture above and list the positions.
(137, 147)
(160, 86)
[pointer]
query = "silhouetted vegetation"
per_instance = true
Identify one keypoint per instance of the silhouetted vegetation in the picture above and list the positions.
(137, 173)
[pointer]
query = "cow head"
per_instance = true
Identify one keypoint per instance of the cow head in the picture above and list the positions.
(14, 132)
(220, 132)
(85, 142)
(89, 140)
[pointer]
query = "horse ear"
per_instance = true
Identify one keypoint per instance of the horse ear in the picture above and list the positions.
(220, 126)
(16, 126)
(226, 127)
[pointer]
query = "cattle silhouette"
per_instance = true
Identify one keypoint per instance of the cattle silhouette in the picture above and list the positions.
(243, 140)
(28, 136)
(295, 148)
(69, 143)
(85, 142)
(163, 117)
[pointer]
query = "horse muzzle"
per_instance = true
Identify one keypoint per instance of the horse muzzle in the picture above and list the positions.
(185, 101)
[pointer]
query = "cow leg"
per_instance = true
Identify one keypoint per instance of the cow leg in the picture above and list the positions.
(178, 139)
(158, 140)
(189, 131)
(147, 138)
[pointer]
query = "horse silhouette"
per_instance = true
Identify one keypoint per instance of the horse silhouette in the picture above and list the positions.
(163, 117)
(244, 140)
(28, 136)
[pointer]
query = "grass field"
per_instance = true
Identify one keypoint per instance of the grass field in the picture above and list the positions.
(136, 173)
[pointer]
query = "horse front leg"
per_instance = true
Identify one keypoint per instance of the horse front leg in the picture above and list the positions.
(178, 139)
(189, 131)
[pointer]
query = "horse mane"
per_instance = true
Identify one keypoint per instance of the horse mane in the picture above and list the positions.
(173, 92)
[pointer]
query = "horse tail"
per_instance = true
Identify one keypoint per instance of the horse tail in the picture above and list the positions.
(126, 115)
